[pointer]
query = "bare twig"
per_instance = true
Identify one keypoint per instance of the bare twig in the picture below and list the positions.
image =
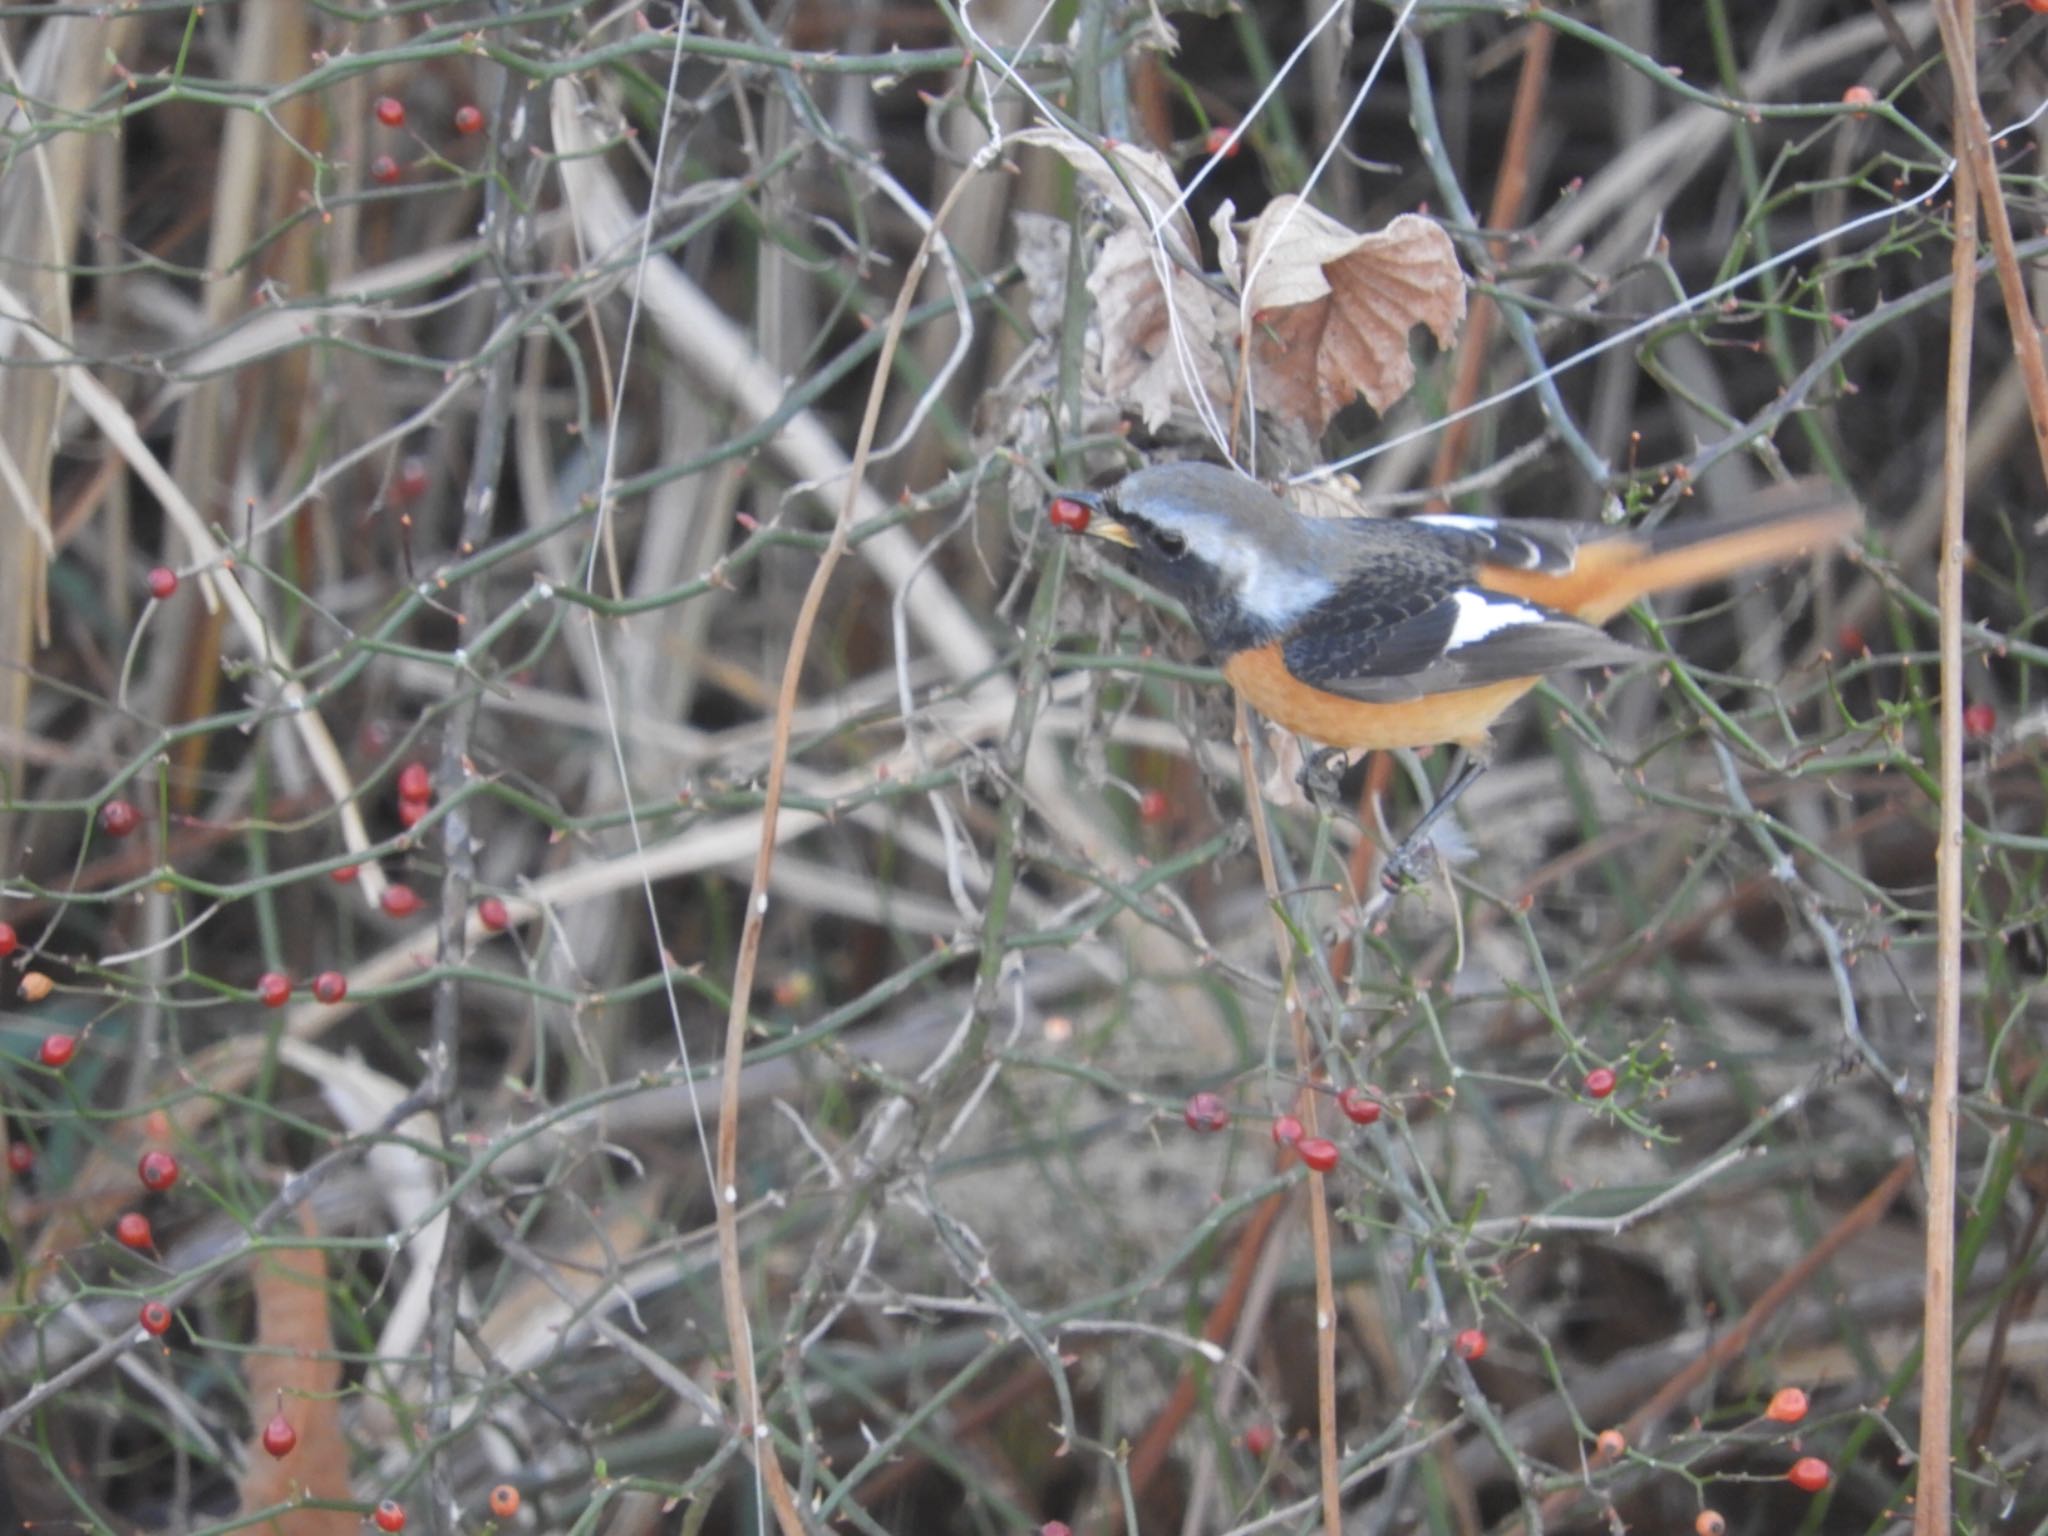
(1937, 1371)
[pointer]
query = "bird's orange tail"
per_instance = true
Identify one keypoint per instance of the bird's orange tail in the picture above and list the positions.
(1612, 573)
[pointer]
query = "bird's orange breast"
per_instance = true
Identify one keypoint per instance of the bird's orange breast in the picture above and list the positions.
(1461, 716)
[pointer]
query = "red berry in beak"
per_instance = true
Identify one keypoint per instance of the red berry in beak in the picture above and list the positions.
(1069, 515)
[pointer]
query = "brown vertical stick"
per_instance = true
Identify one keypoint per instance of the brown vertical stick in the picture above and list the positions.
(1328, 1459)
(1937, 1430)
(1509, 193)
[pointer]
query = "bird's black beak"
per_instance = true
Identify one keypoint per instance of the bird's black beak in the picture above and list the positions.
(1081, 512)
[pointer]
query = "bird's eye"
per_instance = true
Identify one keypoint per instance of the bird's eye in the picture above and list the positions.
(1171, 544)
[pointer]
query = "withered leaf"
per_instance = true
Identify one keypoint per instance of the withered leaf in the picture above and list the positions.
(1147, 174)
(1331, 309)
(1148, 349)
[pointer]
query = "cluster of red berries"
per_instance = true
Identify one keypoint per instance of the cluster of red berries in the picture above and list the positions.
(390, 112)
(274, 988)
(415, 794)
(1206, 1113)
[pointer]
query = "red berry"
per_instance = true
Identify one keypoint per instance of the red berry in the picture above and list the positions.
(1708, 1522)
(158, 1170)
(469, 119)
(412, 812)
(57, 1050)
(390, 1515)
(343, 875)
(410, 483)
(274, 989)
(1809, 1474)
(2038, 7)
(415, 783)
(1470, 1344)
(390, 111)
(163, 582)
(1788, 1406)
(399, 901)
(1206, 1112)
(155, 1318)
(1286, 1131)
(330, 986)
(504, 1501)
(1258, 1440)
(1979, 721)
(278, 1435)
(492, 914)
(1153, 807)
(20, 1157)
(118, 818)
(1359, 1107)
(1069, 515)
(1850, 642)
(385, 169)
(1859, 96)
(1319, 1152)
(132, 1230)
(1600, 1082)
(8, 940)
(1219, 141)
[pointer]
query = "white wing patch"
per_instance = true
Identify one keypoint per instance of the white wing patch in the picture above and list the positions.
(1469, 522)
(1480, 615)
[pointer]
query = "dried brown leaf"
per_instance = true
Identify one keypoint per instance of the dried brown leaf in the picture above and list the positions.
(1145, 173)
(1144, 368)
(294, 1367)
(1331, 309)
(1330, 496)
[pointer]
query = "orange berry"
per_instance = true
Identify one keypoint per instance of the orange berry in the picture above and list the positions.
(1470, 1344)
(504, 1501)
(1788, 1406)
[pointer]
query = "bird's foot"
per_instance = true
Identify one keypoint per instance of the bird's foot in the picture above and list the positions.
(1410, 864)
(1322, 776)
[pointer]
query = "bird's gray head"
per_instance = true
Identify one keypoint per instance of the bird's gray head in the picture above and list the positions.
(1244, 564)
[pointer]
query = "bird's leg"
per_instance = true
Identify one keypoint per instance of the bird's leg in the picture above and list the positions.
(1322, 776)
(1400, 863)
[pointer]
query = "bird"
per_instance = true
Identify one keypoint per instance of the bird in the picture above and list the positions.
(1376, 633)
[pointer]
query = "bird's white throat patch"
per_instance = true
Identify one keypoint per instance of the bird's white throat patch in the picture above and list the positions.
(1269, 590)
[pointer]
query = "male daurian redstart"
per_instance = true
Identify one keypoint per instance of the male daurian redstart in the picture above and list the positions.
(1372, 632)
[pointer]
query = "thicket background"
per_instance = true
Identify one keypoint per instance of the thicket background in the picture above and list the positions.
(512, 453)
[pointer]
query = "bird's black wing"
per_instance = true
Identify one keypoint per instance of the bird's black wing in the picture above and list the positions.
(1412, 620)
(1522, 544)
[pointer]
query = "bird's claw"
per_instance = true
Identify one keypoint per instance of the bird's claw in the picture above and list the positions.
(1322, 776)
(1410, 864)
